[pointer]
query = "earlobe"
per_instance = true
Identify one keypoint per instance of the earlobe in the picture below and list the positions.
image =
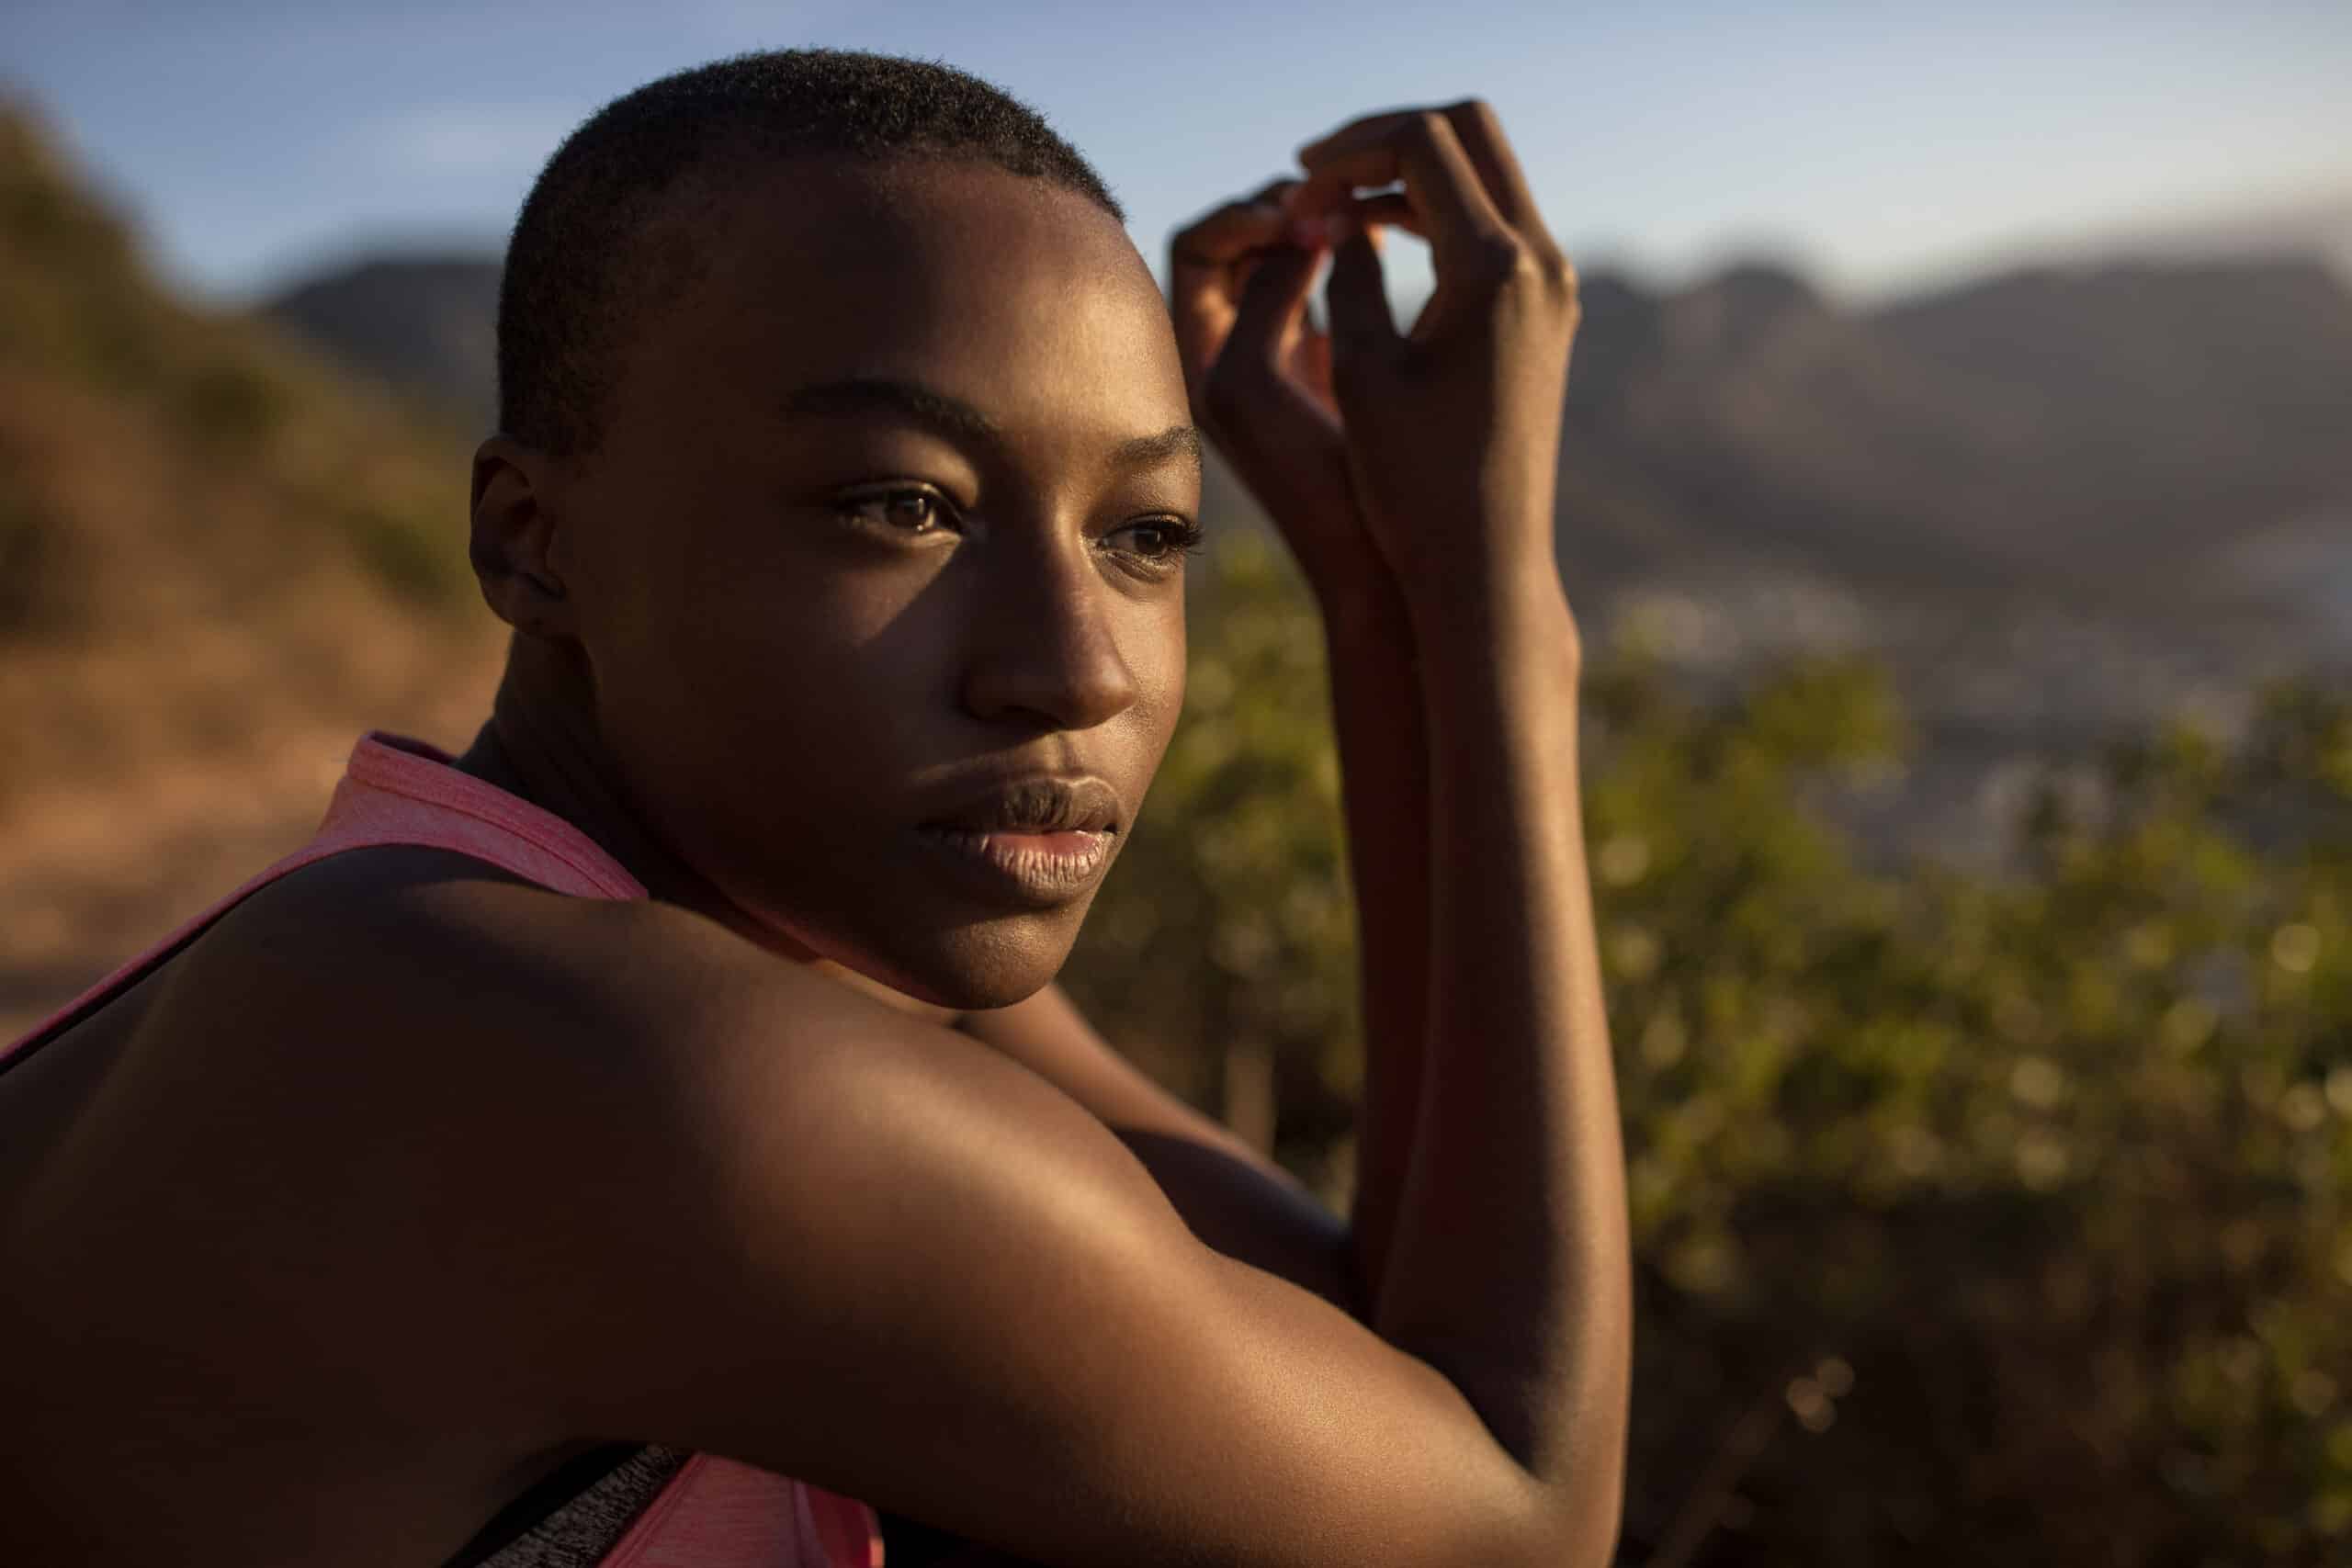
(512, 536)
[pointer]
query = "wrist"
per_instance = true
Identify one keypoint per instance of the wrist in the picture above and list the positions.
(1478, 613)
(1363, 610)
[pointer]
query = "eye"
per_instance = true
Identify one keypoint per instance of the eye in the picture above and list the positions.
(1158, 544)
(904, 510)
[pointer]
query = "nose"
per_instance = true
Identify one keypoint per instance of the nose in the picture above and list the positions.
(1047, 654)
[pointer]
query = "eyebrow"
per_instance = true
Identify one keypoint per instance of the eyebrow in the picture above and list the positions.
(956, 419)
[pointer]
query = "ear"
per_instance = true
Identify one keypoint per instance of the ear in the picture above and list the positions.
(513, 538)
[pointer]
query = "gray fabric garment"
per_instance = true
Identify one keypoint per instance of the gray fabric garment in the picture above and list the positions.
(579, 1534)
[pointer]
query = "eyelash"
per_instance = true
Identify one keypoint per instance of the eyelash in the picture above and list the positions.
(1184, 536)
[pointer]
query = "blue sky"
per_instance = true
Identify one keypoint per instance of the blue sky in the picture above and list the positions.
(1878, 146)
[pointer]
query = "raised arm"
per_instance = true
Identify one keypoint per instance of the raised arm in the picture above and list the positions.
(1260, 374)
(1508, 1264)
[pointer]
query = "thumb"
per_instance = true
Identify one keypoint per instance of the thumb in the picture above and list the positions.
(1357, 298)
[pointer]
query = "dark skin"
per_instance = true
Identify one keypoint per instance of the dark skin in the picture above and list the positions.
(321, 1262)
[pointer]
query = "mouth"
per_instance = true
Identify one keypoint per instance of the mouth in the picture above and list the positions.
(1037, 842)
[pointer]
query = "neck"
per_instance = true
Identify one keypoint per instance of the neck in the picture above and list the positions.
(541, 745)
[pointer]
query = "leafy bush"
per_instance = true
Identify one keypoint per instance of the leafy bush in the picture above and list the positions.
(1977, 1218)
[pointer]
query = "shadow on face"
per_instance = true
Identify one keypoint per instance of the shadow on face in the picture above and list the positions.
(887, 518)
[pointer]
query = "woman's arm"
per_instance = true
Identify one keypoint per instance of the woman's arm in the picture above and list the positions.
(1260, 374)
(1448, 452)
(1233, 1198)
(1454, 438)
(1377, 709)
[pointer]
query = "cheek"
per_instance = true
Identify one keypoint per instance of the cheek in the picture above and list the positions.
(789, 614)
(755, 671)
(1158, 668)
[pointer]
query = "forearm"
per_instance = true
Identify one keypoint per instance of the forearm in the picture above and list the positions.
(1384, 786)
(1509, 1269)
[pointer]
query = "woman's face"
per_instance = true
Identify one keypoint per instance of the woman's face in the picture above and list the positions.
(887, 518)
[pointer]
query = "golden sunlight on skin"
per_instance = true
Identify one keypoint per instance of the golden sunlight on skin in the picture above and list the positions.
(929, 1011)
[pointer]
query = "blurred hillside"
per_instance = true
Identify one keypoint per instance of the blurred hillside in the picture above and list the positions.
(220, 559)
(2055, 502)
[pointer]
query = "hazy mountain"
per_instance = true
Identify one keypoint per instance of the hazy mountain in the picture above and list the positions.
(427, 324)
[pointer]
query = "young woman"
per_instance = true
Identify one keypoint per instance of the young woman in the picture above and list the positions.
(654, 1138)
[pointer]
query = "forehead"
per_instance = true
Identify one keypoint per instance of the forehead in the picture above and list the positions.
(1012, 294)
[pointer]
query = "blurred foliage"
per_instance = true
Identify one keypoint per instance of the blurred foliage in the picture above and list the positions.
(29, 537)
(1976, 1218)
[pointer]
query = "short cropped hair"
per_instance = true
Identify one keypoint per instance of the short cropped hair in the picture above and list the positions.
(579, 277)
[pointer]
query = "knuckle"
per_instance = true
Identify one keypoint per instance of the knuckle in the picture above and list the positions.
(1502, 259)
(1476, 111)
(1558, 273)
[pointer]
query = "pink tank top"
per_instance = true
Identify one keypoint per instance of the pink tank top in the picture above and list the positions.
(714, 1512)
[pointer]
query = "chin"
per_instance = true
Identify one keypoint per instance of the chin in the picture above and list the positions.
(972, 965)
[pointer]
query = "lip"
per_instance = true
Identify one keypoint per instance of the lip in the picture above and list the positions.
(1041, 870)
(1030, 803)
(1034, 840)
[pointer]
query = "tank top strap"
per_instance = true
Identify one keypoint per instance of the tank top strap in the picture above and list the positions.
(394, 790)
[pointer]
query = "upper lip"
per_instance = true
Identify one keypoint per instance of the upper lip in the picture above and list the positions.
(1035, 803)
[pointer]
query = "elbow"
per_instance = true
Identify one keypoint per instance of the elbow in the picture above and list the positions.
(1577, 1524)
(1560, 1541)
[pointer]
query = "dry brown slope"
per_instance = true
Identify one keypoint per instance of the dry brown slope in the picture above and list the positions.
(220, 561)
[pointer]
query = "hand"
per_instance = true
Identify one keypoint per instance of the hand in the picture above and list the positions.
(1258, 375)
(1451, 429)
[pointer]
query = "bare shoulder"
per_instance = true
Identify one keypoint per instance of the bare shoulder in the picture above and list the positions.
(561, 1169)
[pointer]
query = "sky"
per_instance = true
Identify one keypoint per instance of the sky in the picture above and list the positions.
(1877, 147)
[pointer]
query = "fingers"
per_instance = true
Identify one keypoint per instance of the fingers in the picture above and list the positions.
(1202, 277)
(1420, 148)
(1310, 365)
(1224, 233)
(1211, 261)
(1273, 311)
(1356, 295)
(1373, 212)
(1480, 132)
